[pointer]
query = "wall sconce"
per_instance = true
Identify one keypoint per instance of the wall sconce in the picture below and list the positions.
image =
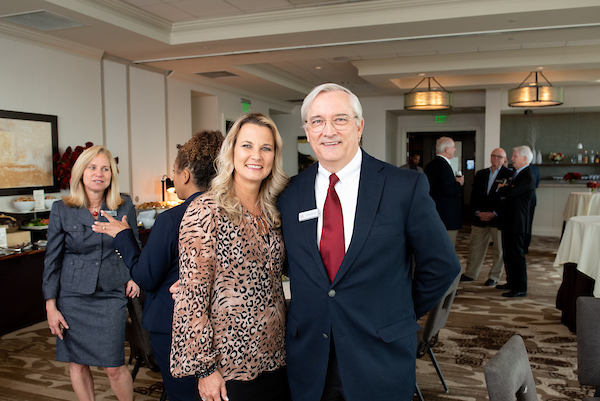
(534, 94)
(167, 184)
(428, 99)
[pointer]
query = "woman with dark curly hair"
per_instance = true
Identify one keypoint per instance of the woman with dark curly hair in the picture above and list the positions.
(156, 267)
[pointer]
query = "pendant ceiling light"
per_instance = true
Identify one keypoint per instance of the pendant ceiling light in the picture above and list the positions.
(429, 99)
(534, 94)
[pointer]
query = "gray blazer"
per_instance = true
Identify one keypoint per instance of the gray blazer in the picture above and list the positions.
(78, 259)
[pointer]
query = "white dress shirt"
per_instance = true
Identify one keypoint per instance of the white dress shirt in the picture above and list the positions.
(347, 190)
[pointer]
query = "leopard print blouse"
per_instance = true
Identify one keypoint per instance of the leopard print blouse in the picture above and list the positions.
(230, 307)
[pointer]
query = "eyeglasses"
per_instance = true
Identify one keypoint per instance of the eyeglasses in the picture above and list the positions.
(340, 123)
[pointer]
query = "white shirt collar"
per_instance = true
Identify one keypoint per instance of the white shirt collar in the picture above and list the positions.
(348, 173)
(445, 158)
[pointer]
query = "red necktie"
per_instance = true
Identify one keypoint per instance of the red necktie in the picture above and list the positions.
(332, 235)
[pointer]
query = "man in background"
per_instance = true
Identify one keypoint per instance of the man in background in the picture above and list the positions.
(445, 186)
(485, 207)
(515, 220)
(413, 163)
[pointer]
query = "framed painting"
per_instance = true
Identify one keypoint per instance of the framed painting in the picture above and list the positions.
(27, 145)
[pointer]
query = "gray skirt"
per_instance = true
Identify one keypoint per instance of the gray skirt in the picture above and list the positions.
(96, 335)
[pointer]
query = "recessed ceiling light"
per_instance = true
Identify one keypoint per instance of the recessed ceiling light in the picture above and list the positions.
(421, 74)
(541, 68)
(318, 67)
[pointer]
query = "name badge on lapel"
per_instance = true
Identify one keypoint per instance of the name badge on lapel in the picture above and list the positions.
(112, 213)
(308, 215)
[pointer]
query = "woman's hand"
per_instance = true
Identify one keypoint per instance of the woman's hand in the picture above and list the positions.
(132, 290)
(173, 290)
(111, 227)
(56, 321)
(212, 388)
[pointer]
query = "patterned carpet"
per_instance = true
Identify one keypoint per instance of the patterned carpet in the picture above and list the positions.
(480, 322)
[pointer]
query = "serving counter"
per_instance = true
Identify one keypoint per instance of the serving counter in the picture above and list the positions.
(21, 290)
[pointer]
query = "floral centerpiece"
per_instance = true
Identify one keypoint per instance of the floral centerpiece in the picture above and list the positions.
(571, 177)
(556, 157)
(65, 162)
(593, 185)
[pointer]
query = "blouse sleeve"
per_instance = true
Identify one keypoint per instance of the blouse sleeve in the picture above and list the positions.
(54, 254)
(192, 349)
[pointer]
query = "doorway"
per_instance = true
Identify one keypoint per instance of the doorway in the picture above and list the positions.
(423, 143)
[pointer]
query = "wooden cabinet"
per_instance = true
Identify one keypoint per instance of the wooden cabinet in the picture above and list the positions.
(21, 290)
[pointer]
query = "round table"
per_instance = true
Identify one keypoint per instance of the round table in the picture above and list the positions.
(582, 204)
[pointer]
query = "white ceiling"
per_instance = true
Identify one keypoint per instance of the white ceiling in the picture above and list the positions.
(282, 48)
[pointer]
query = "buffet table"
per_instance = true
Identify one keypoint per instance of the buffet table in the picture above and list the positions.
(21, 290)
(579, 253)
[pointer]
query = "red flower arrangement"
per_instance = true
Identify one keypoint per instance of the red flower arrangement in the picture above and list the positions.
(593, 185)
(65, 163)
(572, 177)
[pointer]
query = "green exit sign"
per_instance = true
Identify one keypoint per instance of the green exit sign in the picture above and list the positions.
(440, 119)
(245, 107)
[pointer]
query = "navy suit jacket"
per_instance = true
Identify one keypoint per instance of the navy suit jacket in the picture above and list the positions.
(156, 268)
(370, 309)
(78, 259)
(484, 201)
(445, 191)
(517, 207)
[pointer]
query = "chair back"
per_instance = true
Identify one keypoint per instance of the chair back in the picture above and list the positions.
(508, 373)
(138, 336)
(588, 343)
(436, 319)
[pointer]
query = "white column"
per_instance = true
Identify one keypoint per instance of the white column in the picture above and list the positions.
(493, 107)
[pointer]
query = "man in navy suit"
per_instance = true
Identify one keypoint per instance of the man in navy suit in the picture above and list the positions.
(515, 220)
(445, 187)
(485, 207)
(351, 334)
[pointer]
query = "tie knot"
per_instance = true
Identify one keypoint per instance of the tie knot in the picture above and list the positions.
(333, 179)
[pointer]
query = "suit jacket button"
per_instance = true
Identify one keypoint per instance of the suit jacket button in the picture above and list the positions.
(331, 293)
(325, 336)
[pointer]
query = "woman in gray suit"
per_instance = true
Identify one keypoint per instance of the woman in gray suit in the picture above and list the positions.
(85, 281)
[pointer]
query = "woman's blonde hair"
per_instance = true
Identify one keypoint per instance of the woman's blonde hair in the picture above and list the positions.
(78, 197)
(222, 186)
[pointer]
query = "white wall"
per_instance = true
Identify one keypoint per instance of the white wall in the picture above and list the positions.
(38, 79)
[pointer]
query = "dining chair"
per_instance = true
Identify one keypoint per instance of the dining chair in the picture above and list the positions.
(588, 346)
(139, 339)
(427, 337)
(508, 373)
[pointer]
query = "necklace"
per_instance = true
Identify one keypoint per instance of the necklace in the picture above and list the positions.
(260, 223)
(95, 211)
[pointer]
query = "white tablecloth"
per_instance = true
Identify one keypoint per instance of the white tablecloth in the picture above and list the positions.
(581, 244)
(577, 204)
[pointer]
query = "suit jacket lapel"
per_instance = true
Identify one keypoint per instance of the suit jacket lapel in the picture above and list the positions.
(369, 193)
(309, 227)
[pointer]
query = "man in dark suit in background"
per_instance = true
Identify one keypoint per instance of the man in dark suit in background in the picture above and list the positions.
(485, 207)
(445, 187)
(515, 221)
(351, 225)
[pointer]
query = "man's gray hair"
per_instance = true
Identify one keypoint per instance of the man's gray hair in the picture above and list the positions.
(354, 102)
(525, 151)
(442, 143)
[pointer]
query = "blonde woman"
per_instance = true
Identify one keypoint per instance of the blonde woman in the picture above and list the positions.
(84, 281)
(229, 318)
